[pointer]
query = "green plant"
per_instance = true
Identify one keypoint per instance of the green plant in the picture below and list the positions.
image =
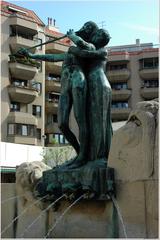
(53, 156)
(24, 60)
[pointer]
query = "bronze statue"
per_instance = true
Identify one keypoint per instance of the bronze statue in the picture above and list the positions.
(84, 84)
(98, 98)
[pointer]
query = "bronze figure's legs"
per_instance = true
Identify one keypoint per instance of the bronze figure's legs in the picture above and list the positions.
(64, 109)
(79, 105)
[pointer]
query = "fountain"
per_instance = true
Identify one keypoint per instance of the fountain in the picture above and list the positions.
(102, 186)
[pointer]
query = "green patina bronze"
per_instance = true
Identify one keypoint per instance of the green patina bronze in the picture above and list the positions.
(85, 87)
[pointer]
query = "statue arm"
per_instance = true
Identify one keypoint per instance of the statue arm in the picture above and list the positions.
(79, 42)
(100, 53)
(49, 57)
(43, 57)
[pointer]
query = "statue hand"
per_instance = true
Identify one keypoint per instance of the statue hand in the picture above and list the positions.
(70, 33)
(24, 52)
(72, 49)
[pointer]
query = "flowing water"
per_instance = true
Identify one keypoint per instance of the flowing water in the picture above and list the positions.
(120, 215)
(9, 225)
(65, 211)
(8, 199)
(45, 210)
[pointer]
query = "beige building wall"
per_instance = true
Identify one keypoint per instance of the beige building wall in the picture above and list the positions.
(25, 96)
(4, 76)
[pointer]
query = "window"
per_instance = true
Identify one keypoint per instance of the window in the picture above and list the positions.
(61, 139)
(36, 111)
(15, 31)
(10, 129)
(119, 86)
(150, 83)
(54, 118)
(21, 83)
(58, 138)
(120, 105)
(53, 97)
(148, 63)
(24, 130)
(21, 129)
(37, 86)
(54, 77)
(118, 66)
(15, 107)
(38, 131)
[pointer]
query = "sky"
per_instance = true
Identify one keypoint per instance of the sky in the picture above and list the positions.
(125, 20)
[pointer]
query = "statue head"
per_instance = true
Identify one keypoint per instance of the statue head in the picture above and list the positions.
(100, 38)
(87, 30)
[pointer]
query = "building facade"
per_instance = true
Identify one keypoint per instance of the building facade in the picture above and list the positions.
(30, 90)
(133, 74)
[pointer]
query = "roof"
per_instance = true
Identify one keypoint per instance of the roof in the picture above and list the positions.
(52, 33)
(24, 12)
(110, 53)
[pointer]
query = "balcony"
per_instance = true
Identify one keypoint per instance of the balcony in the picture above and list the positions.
(118, 75)
(23, 118)
(53, 85)
(118, 56)
(148, 73)
(51, 106)
(148, 53)
(22, 25)
(149, 93)
(22, 140)
(52, 67)
(17, 42)
(122, 94)
(22, 94)
(22, 71)
(56, 48)
(52, 128)
(120, 113)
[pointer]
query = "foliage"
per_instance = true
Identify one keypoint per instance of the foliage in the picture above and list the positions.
(53, 156)
(24, 60)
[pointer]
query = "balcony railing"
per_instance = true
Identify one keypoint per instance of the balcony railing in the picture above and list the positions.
(23, 118)
(23, 25)
(52, 85)
(22, 94)
(149, 93)
(118, 75)
(148, 73)
(51, 106)
(52, 67)
(56, 48)
(17, 41)
(120, 113)
(121, 94)
(52, 128)
(22, 68)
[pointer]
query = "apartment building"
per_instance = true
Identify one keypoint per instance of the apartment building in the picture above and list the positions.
(133, 74)
(31, 89)
(52, 87)
(22, 81)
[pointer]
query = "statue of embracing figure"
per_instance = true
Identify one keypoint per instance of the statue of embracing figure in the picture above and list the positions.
(84, 86)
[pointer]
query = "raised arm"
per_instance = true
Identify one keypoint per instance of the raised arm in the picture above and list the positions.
(44, 57)
(79, 42)
(98, 54)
